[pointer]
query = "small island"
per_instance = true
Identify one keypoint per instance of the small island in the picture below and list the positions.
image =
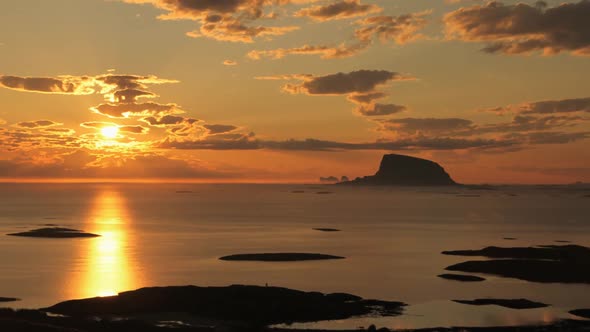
(584, 313)
(461, 277)
(402, 170)
(8, 299)
(507, 303)
(550, 263)
(55, 232)
(251, 305)
(326, 229)
(279, 257)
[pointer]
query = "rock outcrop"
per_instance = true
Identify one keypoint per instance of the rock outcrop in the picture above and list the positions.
(396, 169)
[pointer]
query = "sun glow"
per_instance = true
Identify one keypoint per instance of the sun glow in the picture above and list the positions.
(109, 132)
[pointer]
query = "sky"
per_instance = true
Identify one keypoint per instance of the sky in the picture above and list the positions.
(291, 90)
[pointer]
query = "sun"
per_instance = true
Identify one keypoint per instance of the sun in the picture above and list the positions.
(109, 132)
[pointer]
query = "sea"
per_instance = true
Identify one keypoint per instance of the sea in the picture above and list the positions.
(392, 238)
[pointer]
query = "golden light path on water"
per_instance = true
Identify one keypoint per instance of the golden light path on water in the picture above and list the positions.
(107, 265)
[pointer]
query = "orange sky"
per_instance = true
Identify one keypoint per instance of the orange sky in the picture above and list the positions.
(288, 91)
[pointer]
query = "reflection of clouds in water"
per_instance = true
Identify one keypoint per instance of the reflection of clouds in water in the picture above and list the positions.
(108, 267)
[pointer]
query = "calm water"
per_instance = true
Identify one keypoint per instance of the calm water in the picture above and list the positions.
(392, 239)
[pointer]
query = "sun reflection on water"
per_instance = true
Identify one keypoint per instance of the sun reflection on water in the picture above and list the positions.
(108, 265)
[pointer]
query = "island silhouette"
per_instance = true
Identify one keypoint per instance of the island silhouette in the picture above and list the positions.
(402, 170)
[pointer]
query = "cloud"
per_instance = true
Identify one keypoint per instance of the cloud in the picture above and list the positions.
(167, 120)
(126, 110)
(227, 20)
(572, 105)
(133, 129)
(75, 85)
(427, 126)
(126, 81)
(219, 129)
(59, 131)
(522, 28)
(359, 87)
(366, 98)
(130, 95)
(557, 106)
(529, 123)
(400, 29)
(323, 145)
(377, 109)
(117, 88)
(85, 164)
(458, 127)
(337, 10)
(130, 129)
(230, 63)
(551, 137)
(233, 30)
(326, 52)
(578, 171)
(97, 124)
(360, 81)
(23, 140)
(235, 142)
(368, 107)
(37, 124)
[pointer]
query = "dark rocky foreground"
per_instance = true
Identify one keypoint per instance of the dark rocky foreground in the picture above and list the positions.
(38, 321)
(55, 232)
(279, 257)
(565, 264)
(461, 277)
(396, 169)
(507, 303)
(232, 309)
